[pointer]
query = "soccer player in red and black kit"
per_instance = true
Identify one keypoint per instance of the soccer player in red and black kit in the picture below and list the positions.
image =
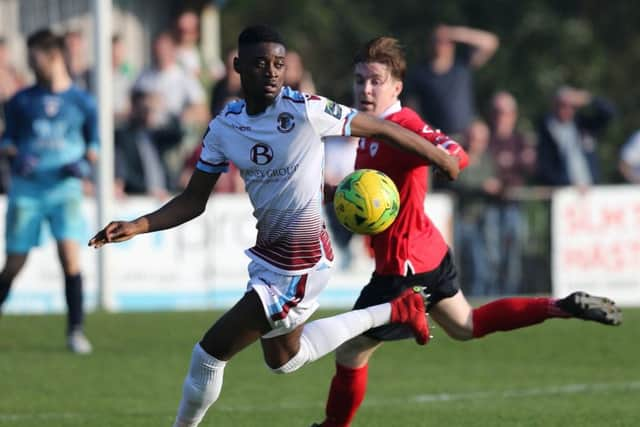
(412, 251)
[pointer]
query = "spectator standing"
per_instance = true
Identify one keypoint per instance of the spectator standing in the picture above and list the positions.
(51, 136)
(228, 88)
(567, 145)
(181, 94)
(514, 160)
(442, 88)
(10, 79)
(122, 80)
(189, 55)
(139, 169)
(10, 82)
(297, 76)
(182, 100)
(629, 164)
(478, 189)
(76, 55)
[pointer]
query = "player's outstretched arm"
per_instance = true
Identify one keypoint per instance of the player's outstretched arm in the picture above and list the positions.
(182, 208)
(368, 126)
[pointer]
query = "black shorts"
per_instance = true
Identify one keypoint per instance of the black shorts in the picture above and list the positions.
(440, 283)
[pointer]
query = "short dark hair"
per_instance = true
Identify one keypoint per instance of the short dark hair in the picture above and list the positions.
(385, 50)
(46, 40)
(255, 34)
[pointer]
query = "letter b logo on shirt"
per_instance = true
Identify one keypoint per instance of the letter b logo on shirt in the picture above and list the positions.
(261, 154)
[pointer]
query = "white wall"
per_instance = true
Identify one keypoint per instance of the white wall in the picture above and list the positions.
(596, 242)
(199, 265)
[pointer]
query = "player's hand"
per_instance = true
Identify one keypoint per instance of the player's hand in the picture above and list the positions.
(448, 168)
(116, 231)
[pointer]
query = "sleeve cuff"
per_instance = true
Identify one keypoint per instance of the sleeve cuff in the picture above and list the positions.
(212, 168)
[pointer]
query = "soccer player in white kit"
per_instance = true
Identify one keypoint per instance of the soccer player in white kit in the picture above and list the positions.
(274, 136)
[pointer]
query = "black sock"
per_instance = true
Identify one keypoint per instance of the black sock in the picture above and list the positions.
(5, 287)
(73, 293)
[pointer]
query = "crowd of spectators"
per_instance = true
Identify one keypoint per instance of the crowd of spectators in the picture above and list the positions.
(491, 228)
(160, 113)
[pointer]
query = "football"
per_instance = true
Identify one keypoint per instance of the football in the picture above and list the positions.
(366, 201)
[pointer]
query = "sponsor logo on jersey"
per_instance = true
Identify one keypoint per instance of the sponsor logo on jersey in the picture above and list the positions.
(51, 105)
(278, 173)
(285, 122)
(261, 154)
(333, 109)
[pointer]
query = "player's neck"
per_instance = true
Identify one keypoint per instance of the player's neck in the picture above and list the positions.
(255, 107)
(59, 82)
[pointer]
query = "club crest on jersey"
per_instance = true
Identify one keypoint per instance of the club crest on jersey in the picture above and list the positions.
(51, 105)
(285, 122)
(261, 154)
(333, 109)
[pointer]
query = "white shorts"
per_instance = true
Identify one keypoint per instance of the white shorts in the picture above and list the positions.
(288, 301)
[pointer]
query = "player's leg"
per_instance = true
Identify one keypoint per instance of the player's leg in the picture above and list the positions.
(288, 301)
(462, 322)
(349, 383)
(306, 344)
(67, 226)
(23, 221)
(449, 308)
(12, 266)
(242, 325)
(69, 256)
(454, 315)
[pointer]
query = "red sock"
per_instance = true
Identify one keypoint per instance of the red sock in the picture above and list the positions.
(348, 388)
(513, 313)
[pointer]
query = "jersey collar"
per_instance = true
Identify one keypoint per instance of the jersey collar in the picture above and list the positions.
(394, 108)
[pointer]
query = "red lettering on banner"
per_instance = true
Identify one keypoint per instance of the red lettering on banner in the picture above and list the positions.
(576, 218)
(635, 253)
(617, 256)
(586, 219)
(612, 217)
(636, 214)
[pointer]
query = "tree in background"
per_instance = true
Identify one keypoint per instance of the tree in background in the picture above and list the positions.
(544, 45)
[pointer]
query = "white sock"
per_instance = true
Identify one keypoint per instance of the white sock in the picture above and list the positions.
(201, 387)
(322, 336)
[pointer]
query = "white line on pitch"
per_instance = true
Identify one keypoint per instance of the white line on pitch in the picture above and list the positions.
(391, 401)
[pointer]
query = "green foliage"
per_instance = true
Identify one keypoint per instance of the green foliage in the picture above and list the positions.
(544, 44)
(563, 372)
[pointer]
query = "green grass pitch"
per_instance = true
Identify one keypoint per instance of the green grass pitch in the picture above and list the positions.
(561, 373)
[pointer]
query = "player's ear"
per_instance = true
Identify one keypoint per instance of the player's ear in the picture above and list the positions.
(398, 87)
(236, 65)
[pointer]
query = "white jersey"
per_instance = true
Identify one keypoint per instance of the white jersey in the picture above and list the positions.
(280, 156)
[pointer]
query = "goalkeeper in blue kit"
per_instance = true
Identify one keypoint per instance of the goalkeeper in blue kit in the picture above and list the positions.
(51, 139)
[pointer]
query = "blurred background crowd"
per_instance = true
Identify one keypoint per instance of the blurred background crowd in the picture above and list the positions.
(540, 95)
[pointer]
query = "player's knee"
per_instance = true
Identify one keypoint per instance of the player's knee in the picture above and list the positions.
(274, 364)
(293, 364)
(281, 368)
(462, 336)
(460, 333)
(349, 355)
